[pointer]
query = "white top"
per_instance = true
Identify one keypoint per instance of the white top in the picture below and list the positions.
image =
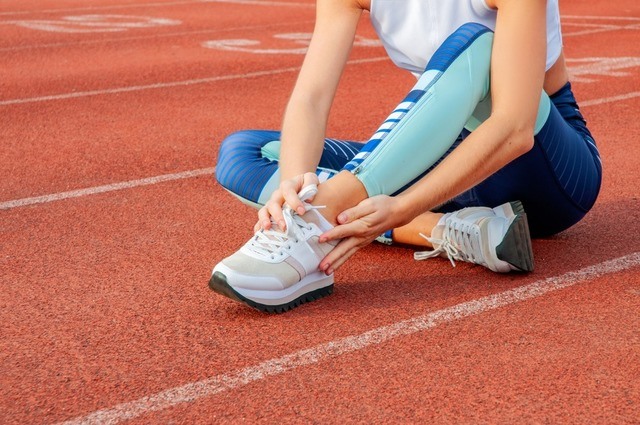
(412, 30)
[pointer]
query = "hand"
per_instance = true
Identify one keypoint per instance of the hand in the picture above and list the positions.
(287, 193)
(359, 226)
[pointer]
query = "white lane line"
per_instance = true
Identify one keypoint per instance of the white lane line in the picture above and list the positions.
(109, 7)
(158, 4)
(148, 37)
(263, 3)
(607, 28)
(603, 18)
(166, 177)
(206, 80)
(225, 382)
(609, 99)
(179, 34)
(106, 188)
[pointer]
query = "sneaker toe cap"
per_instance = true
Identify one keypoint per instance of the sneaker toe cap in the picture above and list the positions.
(258, 281)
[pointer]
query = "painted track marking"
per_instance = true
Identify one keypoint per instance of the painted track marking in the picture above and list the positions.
(63, 96)
(194, 173)
(159, 4)
(179, 34)
(93, 23)
(145, 37)
(105, 188)
(228, 381)
(297, 38)
(610, 99)
(115, 90)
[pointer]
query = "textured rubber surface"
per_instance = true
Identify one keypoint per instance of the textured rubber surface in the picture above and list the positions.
(218, 283)
(516, 247)
(517, 207)
(104, 300)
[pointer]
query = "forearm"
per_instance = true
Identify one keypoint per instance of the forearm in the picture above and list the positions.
(489, 148)
(303, 131)
(305, 121)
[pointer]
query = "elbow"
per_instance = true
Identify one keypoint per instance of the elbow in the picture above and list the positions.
(517, 135)
(520, 141)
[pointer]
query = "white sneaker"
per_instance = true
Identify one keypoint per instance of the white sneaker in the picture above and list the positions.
(276, 271)
(496, 238)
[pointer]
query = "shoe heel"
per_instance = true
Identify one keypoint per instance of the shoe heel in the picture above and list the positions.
(509, 210)
(516, 248)
(516, 207)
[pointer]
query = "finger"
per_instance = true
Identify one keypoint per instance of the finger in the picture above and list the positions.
(290, 191)
(309, 179)
(343, 259)
(274, 209)
(291, 198)
(264, 219)
(339, 255)
(365, 207)
(340, 232)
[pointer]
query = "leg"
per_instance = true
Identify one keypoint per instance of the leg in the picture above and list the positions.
(421, 129)
(248, 163)
(276, 271)
(557, 181)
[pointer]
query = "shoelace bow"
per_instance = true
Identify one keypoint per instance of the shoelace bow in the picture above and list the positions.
(274, 241)
(460, 241)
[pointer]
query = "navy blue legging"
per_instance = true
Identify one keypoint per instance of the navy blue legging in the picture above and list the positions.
(557, 181)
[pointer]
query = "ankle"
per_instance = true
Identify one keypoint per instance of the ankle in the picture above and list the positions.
(337, 194)
(410, 233)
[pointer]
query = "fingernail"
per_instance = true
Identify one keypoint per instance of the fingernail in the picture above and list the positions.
(342, 218)
(324, 267)
(328, 272)
(301, 211)
(282, 224)
(265, 224)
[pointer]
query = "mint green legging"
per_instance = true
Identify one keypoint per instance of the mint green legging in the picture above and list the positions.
(452, 94)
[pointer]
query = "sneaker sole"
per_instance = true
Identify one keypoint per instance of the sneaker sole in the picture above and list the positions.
(516, 248)
(218, 283)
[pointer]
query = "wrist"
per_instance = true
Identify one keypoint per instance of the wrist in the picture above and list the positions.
(405, 209)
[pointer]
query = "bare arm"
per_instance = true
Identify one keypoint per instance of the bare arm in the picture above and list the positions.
(305, 119)
(517, 76)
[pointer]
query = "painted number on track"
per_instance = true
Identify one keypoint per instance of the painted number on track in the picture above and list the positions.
(94, 23)
(299, 40)
(585, 69)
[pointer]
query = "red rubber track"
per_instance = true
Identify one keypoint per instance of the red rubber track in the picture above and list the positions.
(104, 298)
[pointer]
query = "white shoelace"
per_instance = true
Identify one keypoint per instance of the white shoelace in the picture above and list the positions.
(274, 242)
(460, 241)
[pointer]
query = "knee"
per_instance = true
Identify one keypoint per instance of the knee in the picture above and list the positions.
(241, 166)
(235, 143)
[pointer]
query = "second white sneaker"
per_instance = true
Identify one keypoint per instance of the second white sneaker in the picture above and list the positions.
(278, 270)
(497, 238)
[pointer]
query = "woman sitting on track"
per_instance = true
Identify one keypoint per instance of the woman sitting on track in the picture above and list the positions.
(490, 130)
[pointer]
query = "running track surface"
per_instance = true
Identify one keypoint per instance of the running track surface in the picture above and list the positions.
(110, 223)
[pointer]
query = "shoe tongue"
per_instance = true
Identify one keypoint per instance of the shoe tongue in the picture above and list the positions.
(313, 216)
(438, 231)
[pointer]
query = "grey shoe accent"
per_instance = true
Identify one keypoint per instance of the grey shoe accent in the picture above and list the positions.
(516, 248)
